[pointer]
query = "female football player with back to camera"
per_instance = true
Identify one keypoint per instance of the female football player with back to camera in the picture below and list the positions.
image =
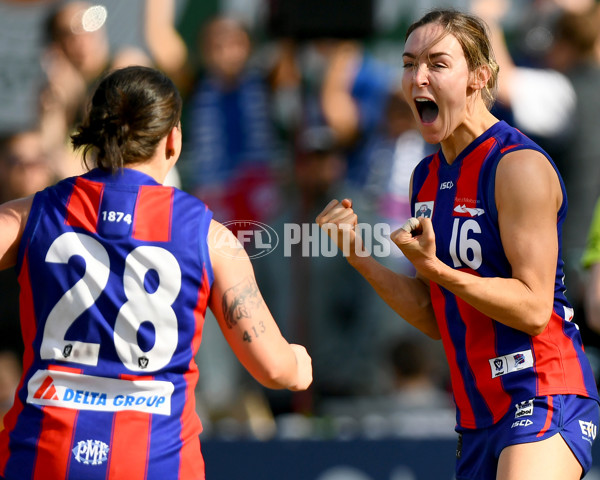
(116, 272)
(489, 270)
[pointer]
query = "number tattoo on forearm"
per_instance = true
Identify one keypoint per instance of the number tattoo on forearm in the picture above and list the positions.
(254, 332)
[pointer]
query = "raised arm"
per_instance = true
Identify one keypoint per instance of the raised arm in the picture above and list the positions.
(407, 296)
(528, 197)
(339, 107)
(246, 321)
(13, 216)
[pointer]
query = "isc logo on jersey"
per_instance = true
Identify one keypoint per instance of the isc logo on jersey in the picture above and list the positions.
(86, 392)
(525, 422)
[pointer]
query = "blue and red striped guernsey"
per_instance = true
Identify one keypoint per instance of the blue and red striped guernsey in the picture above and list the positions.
(492, 366)
(108, 384)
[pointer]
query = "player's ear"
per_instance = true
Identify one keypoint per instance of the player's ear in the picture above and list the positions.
(173, 144)
(480, 77)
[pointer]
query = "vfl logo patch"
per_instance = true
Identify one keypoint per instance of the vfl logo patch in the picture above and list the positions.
(511, 363)
(91, 452)
(588, 431)
(524, 409)
(423, 209)
(143, 362)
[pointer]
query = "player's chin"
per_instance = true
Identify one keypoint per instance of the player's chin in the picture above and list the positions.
(430, 134)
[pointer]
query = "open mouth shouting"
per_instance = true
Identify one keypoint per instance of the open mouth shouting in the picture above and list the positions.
(428, 109)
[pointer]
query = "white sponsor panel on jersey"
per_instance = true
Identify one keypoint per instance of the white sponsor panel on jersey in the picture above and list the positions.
(87, 392)
(512, 362)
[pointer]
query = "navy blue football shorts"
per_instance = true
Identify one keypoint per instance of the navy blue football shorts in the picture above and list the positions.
(575, 418)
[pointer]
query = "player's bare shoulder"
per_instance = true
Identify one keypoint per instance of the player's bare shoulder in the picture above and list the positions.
(527, 175)
(222, 242)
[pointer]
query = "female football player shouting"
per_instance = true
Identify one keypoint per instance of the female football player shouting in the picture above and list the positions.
(489, 278)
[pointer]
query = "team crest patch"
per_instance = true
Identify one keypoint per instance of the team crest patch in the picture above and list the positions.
(424, 209)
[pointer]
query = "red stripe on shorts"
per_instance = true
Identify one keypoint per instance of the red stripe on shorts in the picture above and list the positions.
(548, 418)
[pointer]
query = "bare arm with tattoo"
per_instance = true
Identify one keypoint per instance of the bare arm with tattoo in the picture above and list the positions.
(240, 301)
(246, 321)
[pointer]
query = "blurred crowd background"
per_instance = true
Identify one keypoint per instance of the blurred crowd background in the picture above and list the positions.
(288, 104)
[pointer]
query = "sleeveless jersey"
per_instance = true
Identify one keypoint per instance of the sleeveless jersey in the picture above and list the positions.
(115, 277)
(492, 366)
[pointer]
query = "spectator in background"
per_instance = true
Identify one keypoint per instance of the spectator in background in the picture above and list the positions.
(26, 165)
(77, 55)
(354, 92)
(578, 155)
(167, 49)
(591, 263)
(320, 300)
(231, 151)
(530, 25)
(541, 100)
(419, 376)
(396, 148)
(21, 73)
(417, 402)
(25, 168)
(227, 161)
(335, 83)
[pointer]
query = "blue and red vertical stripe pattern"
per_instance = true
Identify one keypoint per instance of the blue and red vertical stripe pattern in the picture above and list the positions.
(41, 441)
(480, 349)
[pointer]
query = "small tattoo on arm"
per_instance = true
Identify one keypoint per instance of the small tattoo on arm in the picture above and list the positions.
(254, 332)
(240, 301)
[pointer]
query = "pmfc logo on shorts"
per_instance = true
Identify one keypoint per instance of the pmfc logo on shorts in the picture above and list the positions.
(91, 452)
(588, 430)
